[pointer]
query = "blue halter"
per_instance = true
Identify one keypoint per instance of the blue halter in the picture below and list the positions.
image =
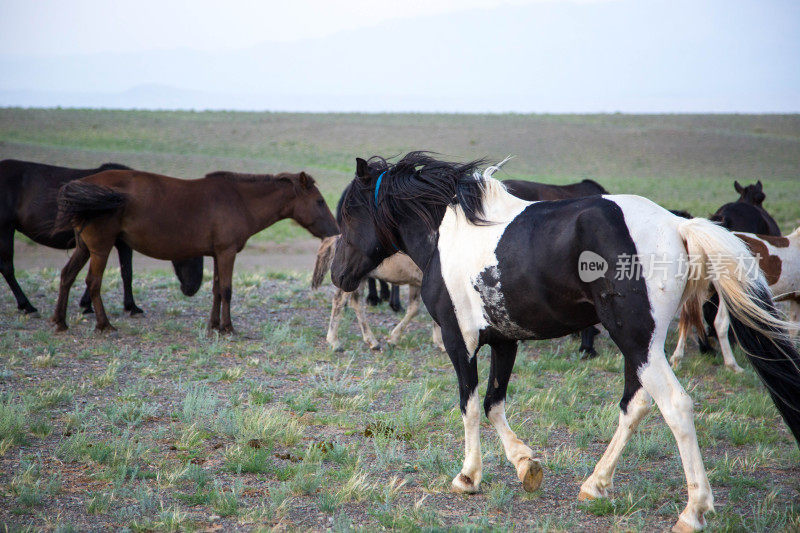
(377, 188)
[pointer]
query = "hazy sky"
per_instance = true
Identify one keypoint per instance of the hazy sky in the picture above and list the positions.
(416, 55)
(88, 26)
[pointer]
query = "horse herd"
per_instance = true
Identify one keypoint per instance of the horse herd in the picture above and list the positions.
(494, 263)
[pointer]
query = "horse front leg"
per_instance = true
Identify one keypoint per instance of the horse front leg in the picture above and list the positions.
(529, 470)
(466, 367)
(213, 320)
(7, 268)
(225, 262)
(125, 255)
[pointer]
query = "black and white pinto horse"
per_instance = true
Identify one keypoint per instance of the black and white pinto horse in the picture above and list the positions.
(498, 269)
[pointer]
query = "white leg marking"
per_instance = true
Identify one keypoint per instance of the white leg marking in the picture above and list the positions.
(436, 336)
(529, 470)
(340, 299)
(470, 477)
(680, 348)
(411, 312)
(359, 305)
(601, 481)
(722, 323)
(676, 407)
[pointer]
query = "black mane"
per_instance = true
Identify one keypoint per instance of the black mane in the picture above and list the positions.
(419, 186)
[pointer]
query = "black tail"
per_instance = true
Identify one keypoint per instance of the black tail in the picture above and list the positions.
(79, 202)
(776, 362)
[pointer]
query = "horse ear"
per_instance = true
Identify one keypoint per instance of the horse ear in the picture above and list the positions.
(362, 169)
(738, 187)
(305, 180)
(760, 187)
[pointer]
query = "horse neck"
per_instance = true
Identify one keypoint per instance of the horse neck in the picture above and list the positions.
(420, 243)
(266, 201)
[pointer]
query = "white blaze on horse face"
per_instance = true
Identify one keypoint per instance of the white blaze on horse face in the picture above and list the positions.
(466, 250)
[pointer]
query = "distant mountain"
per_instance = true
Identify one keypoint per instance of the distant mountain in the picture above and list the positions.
(630, 55)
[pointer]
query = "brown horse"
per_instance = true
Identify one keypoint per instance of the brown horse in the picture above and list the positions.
(170, 218)
(28, 193)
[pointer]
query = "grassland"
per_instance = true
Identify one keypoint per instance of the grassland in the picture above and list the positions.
(681, 161)
(158, 427)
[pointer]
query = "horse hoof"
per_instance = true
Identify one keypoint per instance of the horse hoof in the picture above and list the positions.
(135, 311)
(736, 369)
(590, 490)
(60, 328)
(375, 347)
(28, 310)
(373, 300)
(226, 330)
(588, 353)
(463, 484)
(88, 310)
(682, 527)
(106, 328)
(531, 474)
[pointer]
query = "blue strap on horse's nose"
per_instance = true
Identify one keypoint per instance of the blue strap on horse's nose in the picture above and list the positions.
(378, 186)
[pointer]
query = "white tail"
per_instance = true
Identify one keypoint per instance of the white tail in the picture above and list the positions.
(719, 257)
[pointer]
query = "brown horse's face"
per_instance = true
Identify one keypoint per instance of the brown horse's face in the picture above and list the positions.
(752, 194)
(310, 210)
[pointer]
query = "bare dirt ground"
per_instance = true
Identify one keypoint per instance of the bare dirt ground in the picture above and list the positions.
(297, 255)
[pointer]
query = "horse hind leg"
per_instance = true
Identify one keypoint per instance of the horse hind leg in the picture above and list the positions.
(436, 337)
(529, 470)
(642, 345)
(94, 282)
(68, 274)
(7, 269)
(587, 342)
(340, 299)
(413, 309)
(722, 324)
(359, 306)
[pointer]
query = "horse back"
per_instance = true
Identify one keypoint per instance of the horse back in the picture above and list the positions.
(533, 191)
(28, 192)
(740, 216)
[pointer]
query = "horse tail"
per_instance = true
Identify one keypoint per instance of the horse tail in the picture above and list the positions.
(717, 254)
(692, 316)
(80, 202)
(324, 259)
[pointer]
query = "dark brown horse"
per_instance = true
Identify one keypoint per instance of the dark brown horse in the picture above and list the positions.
(533, 191)
(747, 213)
(175, 219)
(28, 193)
